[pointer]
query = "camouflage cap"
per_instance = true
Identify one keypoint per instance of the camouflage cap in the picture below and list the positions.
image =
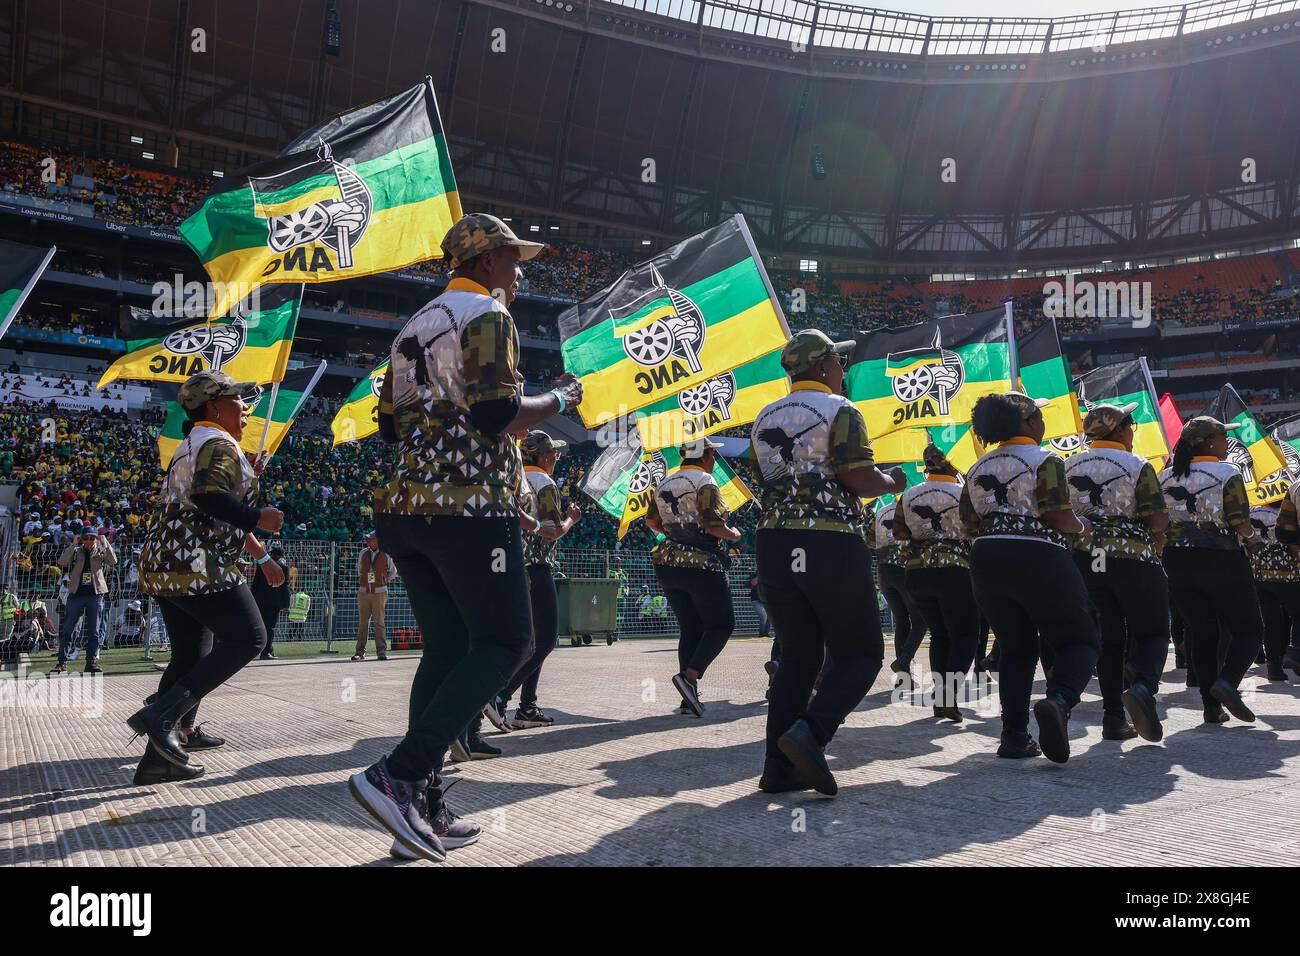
(934, 459)
(808, 347)
(538, 443)
(697, 447)
(1026, 404)
(476, 233)
(1102, 420)
(1205, 426)
(209, 385)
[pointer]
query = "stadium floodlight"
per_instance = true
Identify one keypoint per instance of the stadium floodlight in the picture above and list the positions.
(137, 140)
(645, 242)
(219, 174)
(147, 155)
(534, 228)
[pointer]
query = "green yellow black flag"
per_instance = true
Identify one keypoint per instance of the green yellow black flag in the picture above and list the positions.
(251, 344)
(272, 417)
(733, 398)
(1251, 449)
(20, 268)
(1122, 383)
(1045, 373)
(691, 314)
(369, 191)
(358, 417)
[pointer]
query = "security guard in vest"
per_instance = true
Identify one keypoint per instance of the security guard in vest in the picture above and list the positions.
(1016, 505)
(1209, 574)
(687, 508)
(928, 522)
(1118, 493)
(449, 517)
(8, 611)
(891, 569)
(810, 455)
(299, 608)
(1277, 583)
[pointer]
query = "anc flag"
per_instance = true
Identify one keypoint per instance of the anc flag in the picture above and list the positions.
(358, 417)
(624, 477)
(930, 374)
(1286, 434)
(1251, 449)
(251, 344)
(694, 312)
(958, 443)
(20, 267)
(915, 472)
(1121, 384)
(733, 398)
(290, 396)
(1045, 373)
(369, 191)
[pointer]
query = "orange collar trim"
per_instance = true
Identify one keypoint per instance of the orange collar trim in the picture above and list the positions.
(1205, 458)
(461, 284)
(1018, 440)
(216, 425)
(1103, 443)
(536, 468)
(811, 387)
(941, 478)
(696, 467)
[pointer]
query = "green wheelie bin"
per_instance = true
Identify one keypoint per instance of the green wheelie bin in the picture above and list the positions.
(588, 607)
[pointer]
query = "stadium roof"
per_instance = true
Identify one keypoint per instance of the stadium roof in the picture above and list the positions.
(838, 130)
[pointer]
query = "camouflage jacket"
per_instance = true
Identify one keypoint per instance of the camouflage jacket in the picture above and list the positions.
(460, 349)
(187, 552)
(688, 503)
(798, 445)
(1273, 560)
(1205, 504)
(541, 500)
(928, 520)
(1010, 488)
(1115, 489)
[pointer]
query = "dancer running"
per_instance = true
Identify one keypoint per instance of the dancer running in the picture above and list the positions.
(687, 508)
(1209, 574)
(928, 522)
(1118, 493)
(891, 569)
(1277, 583)
(1016, 505)
(190, 563)
(810, 454)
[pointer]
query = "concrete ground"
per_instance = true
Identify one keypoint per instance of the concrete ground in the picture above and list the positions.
(620, 780)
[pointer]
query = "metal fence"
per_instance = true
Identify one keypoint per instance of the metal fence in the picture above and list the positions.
(326, 572)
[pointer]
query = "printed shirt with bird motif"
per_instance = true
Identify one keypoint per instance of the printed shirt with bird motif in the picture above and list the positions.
(688, 503)
(929, 520)
(1010, 488)
(889, 550)
(1115, 489)
(460, 349)
(1273, 560)
(187, 552)
(1205, 504)
(798, 445)
(541, 500)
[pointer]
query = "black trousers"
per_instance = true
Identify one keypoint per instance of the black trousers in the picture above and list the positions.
(1131, 601)
(947, 605)
(269, 616)
(1213, 587)
(1279, 603)
(541, 590)
(909, 625)
(468, 588)
(822, 599)
(1029, 589)
(702, 602)
(213, 636)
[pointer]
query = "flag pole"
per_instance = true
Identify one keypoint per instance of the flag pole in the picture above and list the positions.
(7, 320)
(270, 413)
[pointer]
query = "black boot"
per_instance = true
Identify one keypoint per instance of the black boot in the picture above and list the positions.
(1053, 716)
(1291, 659)
(1116, 727)
(154, 769)
(1275, 671)
(194, 738)
(1228, 696)
(160, 722)
(779, 778)
(802, 749)
(1141, 706)
(1018, 746)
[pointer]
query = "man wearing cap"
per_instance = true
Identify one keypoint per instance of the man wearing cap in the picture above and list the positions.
(85, 558)
(811, 457)
(1119, 494)
(1209, 574)
(452, 401)
(374, 568)
(189, 562)
(687, 508)
(1016, 506)
(541, 501)
(928, 521)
